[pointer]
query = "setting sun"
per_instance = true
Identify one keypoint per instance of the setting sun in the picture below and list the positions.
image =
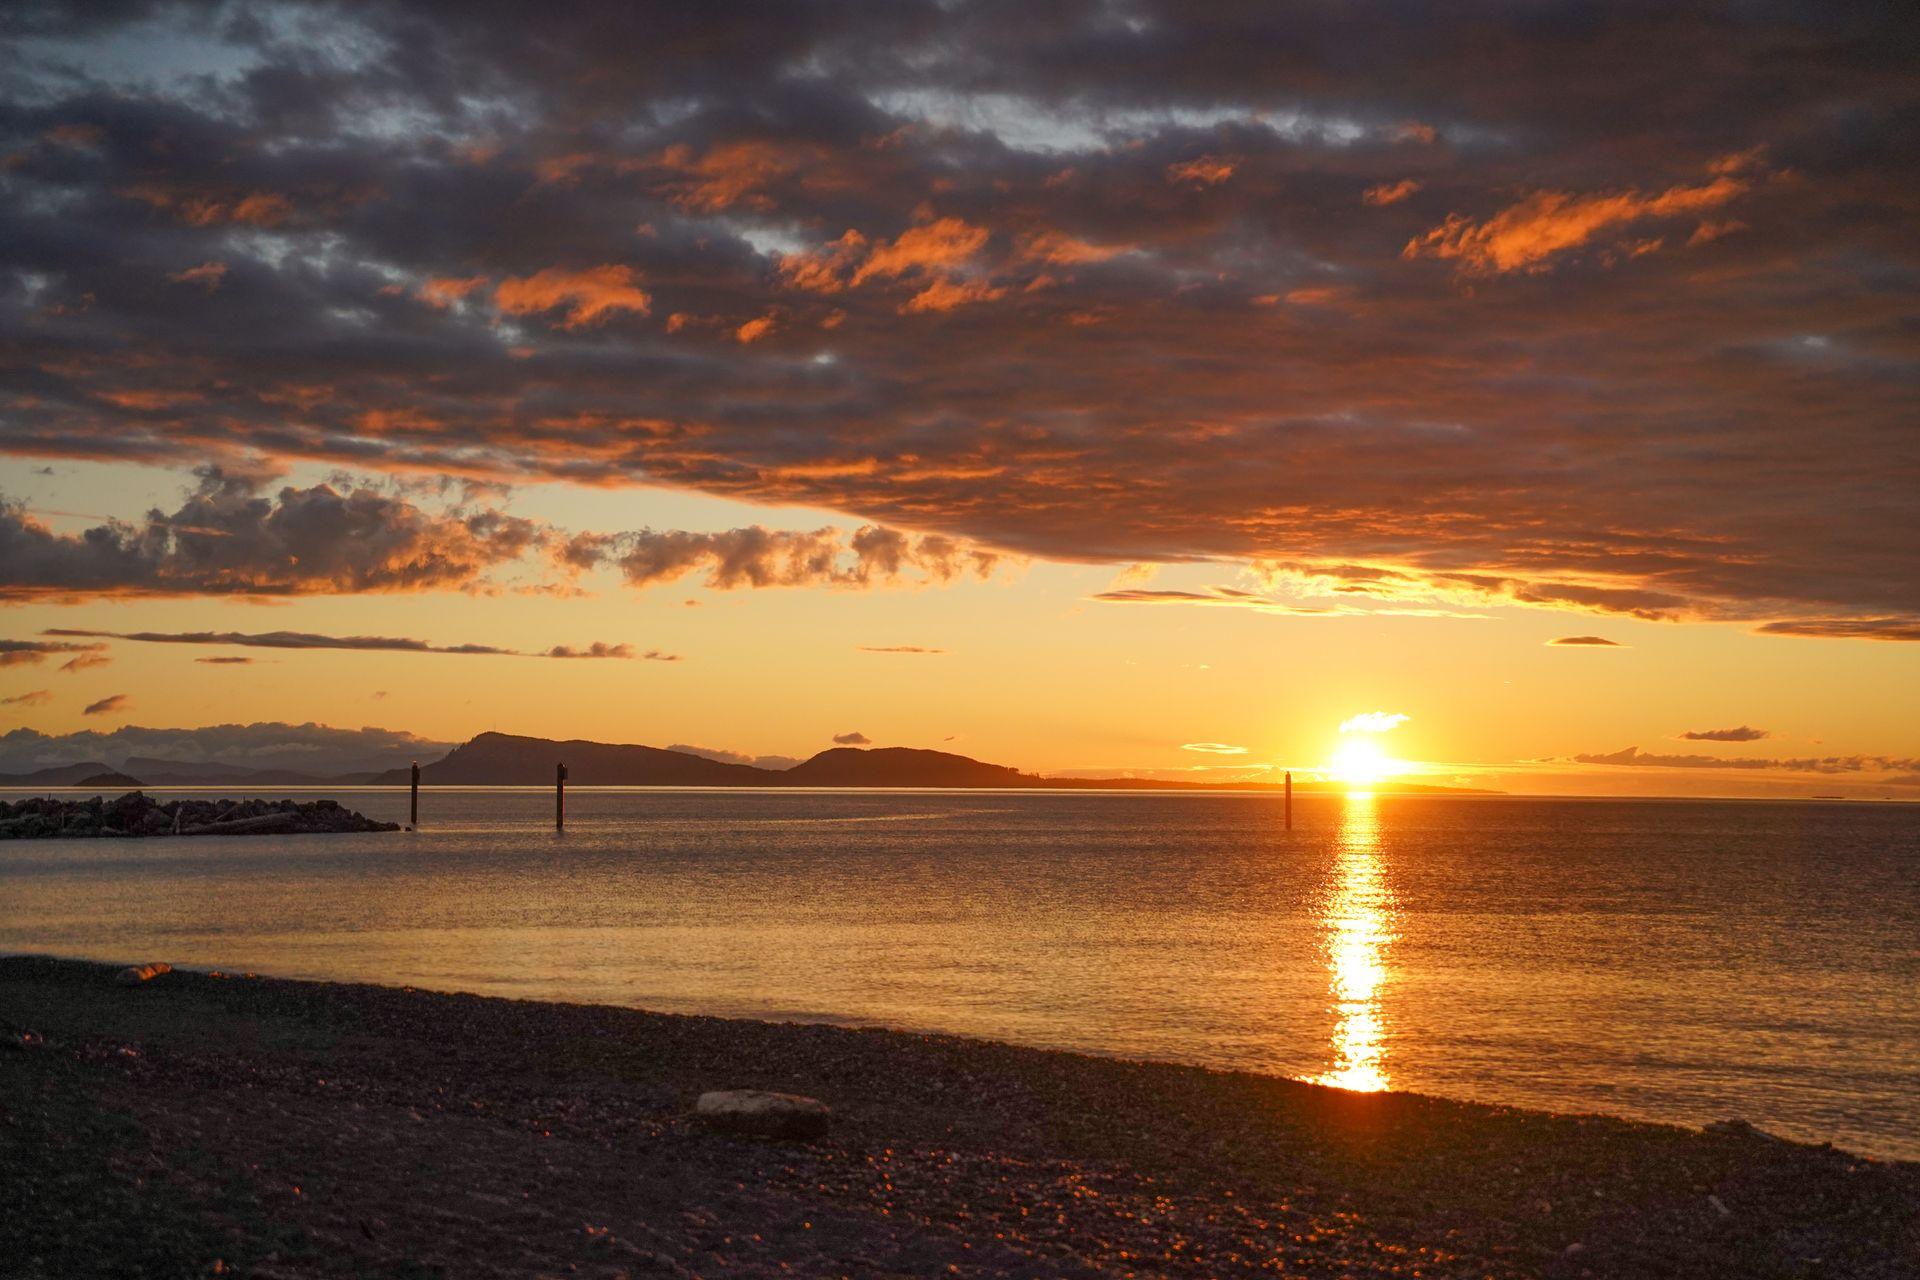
(1361, 762)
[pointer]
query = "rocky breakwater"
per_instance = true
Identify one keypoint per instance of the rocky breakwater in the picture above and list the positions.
(136, 814)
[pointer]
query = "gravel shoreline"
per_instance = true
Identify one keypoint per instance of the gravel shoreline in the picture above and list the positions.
(198, 1125)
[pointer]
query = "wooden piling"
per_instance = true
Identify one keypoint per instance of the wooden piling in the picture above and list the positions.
(413, 803)
(560, 797)
(1289, 799)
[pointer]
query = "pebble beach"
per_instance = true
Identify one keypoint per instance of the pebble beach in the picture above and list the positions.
(197, 1124)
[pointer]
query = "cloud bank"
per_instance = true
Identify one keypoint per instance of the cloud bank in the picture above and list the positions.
(309, 748)
(230, 539)
(368, 644)
(1484, 304)
(1805, 764)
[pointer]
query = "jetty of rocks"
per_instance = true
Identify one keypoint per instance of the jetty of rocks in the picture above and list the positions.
(136, 814)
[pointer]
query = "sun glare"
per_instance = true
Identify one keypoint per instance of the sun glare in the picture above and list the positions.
(1360, 762)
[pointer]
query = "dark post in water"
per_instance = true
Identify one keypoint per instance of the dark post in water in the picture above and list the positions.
(1289, 799)
(559, 797)
(413, 804)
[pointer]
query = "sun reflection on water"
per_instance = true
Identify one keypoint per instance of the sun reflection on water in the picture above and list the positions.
(1356, 916)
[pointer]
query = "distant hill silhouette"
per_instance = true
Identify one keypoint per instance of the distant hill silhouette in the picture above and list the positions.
(154, 771)
(513, 760)
(60, 775)
(111, 779)
(900, 767)
(509, 760)
(504, 760)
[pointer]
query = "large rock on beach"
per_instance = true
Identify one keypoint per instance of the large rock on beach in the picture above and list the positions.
(758, 1113)
(135, 974)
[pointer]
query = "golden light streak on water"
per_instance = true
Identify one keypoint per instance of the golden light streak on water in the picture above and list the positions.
(1357, 919)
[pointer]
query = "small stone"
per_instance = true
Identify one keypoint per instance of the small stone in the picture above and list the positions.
(22, 1040)
(764, 1114)
(134, 975)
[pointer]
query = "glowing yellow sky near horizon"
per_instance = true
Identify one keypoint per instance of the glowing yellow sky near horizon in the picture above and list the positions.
(1034, 674)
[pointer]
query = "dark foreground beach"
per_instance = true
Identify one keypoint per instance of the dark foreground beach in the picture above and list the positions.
(199, 1125)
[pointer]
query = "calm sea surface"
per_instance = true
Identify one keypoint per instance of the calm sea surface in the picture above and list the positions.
(1665, 960)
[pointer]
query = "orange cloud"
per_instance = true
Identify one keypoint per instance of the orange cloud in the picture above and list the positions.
(931, 249)
(1391, 192)
(149, 398)
(945, 242)
(1737, 161)
(1525, 236)
(590, 294)
(263, 209)
(208, 275)
(945, 295)
(260, 208)
(565, 168)
(728, 173)
(1707, 232)
(444, 291)
(824, 270)
(1314, 295)
(1207, 171)
(1065, 250)
(754, 329)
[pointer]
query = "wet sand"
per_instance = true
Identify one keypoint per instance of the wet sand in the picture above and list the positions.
(197, 1125)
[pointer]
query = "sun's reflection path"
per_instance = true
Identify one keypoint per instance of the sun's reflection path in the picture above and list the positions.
(1357, 917)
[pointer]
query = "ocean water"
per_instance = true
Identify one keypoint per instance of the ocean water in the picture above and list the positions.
(1662, 960)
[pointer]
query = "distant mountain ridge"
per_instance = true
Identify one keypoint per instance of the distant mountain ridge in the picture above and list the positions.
(901, 767)
(515, 760)
(509, 760)
(59, 775)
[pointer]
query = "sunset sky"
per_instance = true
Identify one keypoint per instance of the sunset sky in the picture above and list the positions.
(1104, 387)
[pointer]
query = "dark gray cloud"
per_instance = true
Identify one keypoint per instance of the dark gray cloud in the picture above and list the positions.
(309, 748)
(1803, 764)
(1846, 628)
(601, 649)
(1595, 642)
(385, 644)
(853, 739)
(1744, 733)
(21, 653)
(106, 706)
(755, 556)
(31, 698)
(228, 538)
(1598, 309)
